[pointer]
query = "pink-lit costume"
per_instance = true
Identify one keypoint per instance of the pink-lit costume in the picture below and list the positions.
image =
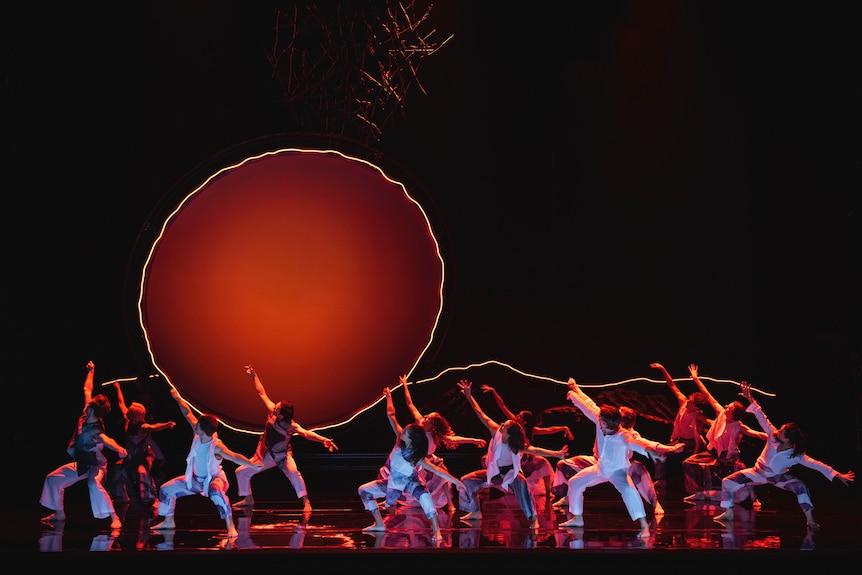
(772, 467)
(89, 463)
(613, 461)
(273, 450)
(536, 468)
(439, 488)
(403, 478)
(686, 430)
(503, 470)
(204, 476)
(569, 467)
(704, 471)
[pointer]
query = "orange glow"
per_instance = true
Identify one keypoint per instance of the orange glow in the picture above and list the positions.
(314, 267)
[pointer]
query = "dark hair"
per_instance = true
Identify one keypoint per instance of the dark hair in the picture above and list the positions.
(528, 421)
(517, 437)
(794, 434)
(738, 410)
(610, 416)
(441, 431)
(699, 399)
(209, 423)
(418, 443)
(628, 416)
(101, 405)
(286, 410)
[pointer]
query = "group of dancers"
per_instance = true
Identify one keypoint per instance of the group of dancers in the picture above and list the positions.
(414, 473)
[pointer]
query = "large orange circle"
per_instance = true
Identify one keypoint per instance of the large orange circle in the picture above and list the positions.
(312, 266)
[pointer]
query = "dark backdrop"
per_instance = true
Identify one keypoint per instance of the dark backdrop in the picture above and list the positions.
(615, 183)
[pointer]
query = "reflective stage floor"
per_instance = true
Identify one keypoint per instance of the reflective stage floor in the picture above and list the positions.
(332, 534)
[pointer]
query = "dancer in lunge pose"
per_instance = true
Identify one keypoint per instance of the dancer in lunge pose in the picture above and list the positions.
(439, 434)
(537, 469)
(704, 471)
(274, 449)
(134, 478)
(566, 468)
(784, 449)
(688, 427)
(407, 459)
(85, 448)
(502, 464)
(204, 474)
(613, 453)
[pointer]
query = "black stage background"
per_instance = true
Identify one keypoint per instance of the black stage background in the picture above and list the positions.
(617, 183)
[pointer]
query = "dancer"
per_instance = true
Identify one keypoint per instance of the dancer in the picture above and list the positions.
(439, 433)
(502, 465)
(703, 472)
(688, 427)
(613, 452)
(408, 457)
(135, 470)
(567, 468)
(204, 474)
(784, 449)
(537, 469)
(85, 448)
(274, 449)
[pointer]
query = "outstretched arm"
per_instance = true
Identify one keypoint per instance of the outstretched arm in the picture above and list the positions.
(152, 427)
(113, 445)
(390, 413)
(552, 429)
(507, 413)
(121, 401)
(261, 391)
(558, 453)
(185, 408)
(314, 436)
(716, 406)
(467, 390)
(436, 470)
(417, 415)
(582, 401)
(88, 383)
(680, 397)
(749, 432)
(648, 447)
(238, 458)
(462, 440)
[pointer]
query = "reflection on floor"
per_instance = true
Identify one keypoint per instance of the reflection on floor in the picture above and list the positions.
(335, 528)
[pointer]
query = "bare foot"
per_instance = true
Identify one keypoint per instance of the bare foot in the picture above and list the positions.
(376, 528)
(756, 505)
(644, 532)
(56, 516)
(472, 515)
(244, 502)
(658, 509)
(307, 507)
(813, 526)
(232, 533)
(168, 523)
(534, 523)
(575, 521)
(116, 523)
